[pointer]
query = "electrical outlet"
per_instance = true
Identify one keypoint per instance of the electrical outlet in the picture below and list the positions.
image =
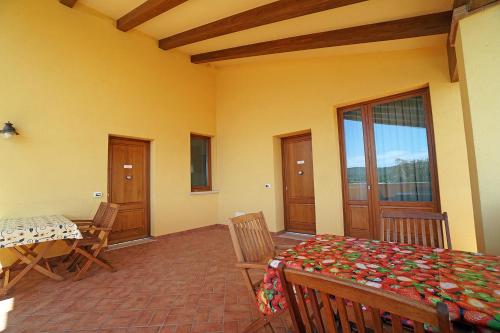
(97, 195)
(267, 185)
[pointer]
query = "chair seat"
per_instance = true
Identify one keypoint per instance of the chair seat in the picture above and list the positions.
(256, 285)
(89, 239)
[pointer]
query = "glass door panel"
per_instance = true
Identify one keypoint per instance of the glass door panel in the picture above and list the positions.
(355, 155)
(388, 160)
(402, 151)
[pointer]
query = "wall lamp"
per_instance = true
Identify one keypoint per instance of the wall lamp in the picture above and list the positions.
(8, 130)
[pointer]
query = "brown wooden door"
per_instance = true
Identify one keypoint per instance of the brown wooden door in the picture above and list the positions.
(128, 186)
(298, 184)
(388, 160)
(356, 175)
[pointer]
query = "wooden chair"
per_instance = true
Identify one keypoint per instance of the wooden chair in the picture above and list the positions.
(254, 247)
(421, 228)
(99, 215)
(334, 293)
(87, 250)
(84, 225)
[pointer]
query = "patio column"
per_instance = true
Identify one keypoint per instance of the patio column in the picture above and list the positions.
(478, 50)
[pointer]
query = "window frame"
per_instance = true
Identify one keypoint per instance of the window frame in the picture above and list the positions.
(373, 204)
(208, 139)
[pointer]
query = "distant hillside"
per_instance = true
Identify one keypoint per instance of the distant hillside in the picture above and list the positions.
(404, 171)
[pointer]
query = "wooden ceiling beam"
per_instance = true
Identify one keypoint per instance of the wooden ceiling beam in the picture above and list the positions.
(452, 62)
(450, 43)
(266, 14)
(145, 12)
(69, 3)
(426, 25)
(461, 9)
(477, 4)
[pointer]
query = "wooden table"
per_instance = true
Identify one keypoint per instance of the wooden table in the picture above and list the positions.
(23, 237)
(468, 283)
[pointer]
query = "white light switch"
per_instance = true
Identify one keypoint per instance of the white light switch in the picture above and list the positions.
(97, 195)
(267, 185)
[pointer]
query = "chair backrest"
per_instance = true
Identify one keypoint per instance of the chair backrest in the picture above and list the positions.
(99, 215)
(251, 238)
(110, 216)
(350, 298)
(422, 228)
(107, 221)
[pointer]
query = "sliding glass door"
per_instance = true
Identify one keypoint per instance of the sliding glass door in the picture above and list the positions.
(388, 160)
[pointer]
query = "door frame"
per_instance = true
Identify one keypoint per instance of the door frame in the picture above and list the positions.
(370, 158)
(147, 181)
(283, 175)
(343, 163)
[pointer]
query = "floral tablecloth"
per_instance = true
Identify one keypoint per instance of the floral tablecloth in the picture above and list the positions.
(469, 283)
(30, 230)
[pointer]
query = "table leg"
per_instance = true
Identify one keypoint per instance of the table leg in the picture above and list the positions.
(31, 251)
(27, 250)
(6, 277)
(31, 264)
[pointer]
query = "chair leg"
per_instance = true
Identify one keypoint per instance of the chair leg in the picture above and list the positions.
(98, 260)
(77, 257)
(105, 264)
(256, 325)
(91, 259)
(74, 262)
(269, 328)
(263, 322)
(82, 271)
(68, 256)
(48, 266)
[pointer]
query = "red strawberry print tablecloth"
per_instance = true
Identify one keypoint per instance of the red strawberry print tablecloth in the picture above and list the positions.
(469, 283)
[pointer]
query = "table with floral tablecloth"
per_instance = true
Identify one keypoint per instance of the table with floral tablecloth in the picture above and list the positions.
(23, 237)
(30, 230)
(468, 283)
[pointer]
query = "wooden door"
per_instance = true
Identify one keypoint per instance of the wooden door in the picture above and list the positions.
(128, 186)
(298, 184)
(388, 160)
(355, 174)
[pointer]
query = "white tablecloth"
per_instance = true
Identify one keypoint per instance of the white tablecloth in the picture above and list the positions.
(31, 230)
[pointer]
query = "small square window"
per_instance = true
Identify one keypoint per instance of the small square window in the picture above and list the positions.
(201, 169)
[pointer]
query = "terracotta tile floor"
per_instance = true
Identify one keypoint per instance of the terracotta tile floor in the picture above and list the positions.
(185, 283)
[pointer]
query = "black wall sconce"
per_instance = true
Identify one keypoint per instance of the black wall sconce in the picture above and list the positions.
(8, 130)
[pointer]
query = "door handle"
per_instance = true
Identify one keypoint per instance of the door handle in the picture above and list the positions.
(301, 173)
(128, 177)
(369, 187)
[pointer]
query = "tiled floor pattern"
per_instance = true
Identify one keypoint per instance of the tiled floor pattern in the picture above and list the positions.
(185, 283)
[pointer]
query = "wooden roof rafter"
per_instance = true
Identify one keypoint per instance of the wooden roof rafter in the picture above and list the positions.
(425, 25)
(462, 9)
(270, 13)
(69, 3)
(145, 12)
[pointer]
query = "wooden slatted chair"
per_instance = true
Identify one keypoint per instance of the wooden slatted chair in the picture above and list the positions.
(85, 225)
(99, 215)
(254, 248)
(338, 296)
(421, 228)
(95, 239)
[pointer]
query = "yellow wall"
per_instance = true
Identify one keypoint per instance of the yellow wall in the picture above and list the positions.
(257, 102)
(478, 50)
(69, 78)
